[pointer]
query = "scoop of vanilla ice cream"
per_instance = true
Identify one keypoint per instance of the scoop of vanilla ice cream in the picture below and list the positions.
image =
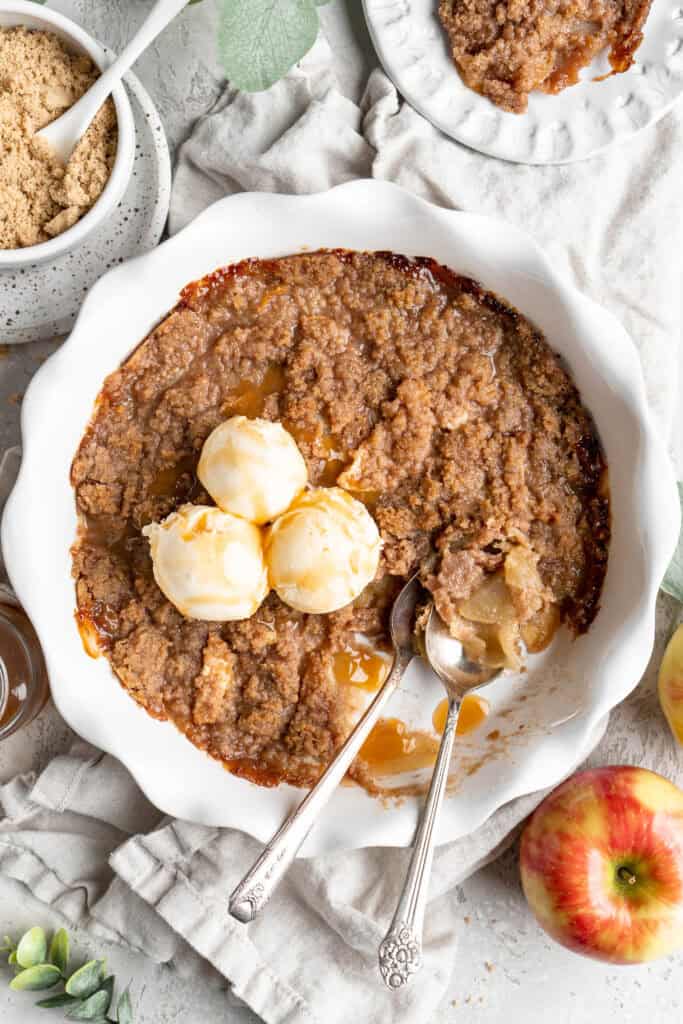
(252, 468)
(323, 551)
(208, 563)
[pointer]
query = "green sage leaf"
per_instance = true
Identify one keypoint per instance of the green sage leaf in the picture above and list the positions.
(32, 948)
(260, 40)
(86, 980)
(124, 1009)
(673, 581)
(59, 950)
(63, 999)
(35, 978)
(108, 987)
(91, 1008)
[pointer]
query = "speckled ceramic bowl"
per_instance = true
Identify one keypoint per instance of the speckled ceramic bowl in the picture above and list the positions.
(21, 12)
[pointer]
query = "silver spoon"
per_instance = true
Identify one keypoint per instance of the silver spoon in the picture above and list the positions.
(65, 132)
(260, 882)
(400, 953)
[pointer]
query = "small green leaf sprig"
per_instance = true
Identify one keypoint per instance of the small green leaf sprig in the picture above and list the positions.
(88, 992)
(260, 40)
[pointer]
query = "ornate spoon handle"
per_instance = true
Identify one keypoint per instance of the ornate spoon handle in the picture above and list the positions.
(400, 953)
(260, 882)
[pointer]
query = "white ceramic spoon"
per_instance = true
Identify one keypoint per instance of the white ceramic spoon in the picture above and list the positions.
(64, 133)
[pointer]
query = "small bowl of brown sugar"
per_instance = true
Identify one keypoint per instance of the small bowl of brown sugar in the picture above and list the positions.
(47, 62)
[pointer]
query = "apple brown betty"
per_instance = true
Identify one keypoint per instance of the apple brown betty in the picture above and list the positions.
(504, 49)
(425, 396)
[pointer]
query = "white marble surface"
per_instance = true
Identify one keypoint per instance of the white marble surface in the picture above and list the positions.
(505, 968)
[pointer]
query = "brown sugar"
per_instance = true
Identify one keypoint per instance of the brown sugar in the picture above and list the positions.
(39, 197)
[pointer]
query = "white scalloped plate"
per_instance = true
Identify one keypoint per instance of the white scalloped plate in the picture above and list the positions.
(577, 123)
(566, 693)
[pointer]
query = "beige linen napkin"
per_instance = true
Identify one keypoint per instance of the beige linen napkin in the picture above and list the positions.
(83, 838)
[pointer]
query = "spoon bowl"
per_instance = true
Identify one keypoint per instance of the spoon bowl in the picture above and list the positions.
(447, 657)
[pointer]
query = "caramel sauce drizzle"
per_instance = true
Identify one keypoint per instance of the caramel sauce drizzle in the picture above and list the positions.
(362, 667)
(166, 482)
(249, 399)
(393, 748)
(473, 711)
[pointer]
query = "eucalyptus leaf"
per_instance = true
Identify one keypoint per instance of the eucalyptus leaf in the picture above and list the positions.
(59, 950)
(108, 987)
(124, 1009)
(35, 978)
(32, 948)
(63, 999)
(92, 1008)
(673, 581)
(86, 980)
(260, 40)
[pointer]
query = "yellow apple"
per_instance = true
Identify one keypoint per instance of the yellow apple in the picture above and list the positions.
(671, 684)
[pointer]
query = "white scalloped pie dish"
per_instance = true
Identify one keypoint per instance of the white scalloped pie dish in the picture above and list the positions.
(568, 690)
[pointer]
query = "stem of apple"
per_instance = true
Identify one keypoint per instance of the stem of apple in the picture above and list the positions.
(627, 876)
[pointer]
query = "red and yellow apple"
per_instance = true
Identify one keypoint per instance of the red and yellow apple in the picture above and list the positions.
(602, 864)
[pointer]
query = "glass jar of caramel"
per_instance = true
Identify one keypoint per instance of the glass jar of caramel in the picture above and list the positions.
(23, 677)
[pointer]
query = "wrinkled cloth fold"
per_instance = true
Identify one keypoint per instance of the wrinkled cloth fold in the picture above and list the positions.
(82, 837)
